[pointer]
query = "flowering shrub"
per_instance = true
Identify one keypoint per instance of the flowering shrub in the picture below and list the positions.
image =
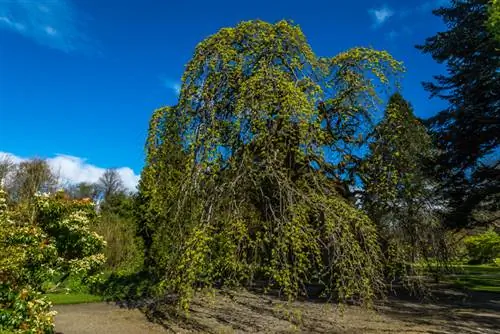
(58, 241)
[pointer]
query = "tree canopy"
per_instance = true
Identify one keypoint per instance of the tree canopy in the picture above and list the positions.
(249, 173)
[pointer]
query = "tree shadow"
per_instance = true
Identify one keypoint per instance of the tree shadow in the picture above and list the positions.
(445, 310)
(448, 308)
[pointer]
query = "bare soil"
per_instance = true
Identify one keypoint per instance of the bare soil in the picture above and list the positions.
(450, 311)
(104, 318)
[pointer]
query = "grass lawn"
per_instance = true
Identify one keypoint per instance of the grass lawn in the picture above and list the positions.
(73, 298)
(477, 277)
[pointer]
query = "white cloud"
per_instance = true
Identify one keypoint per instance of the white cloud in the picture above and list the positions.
(381, 15)
(19, 27)
(53, 24)
(73, 170)
(11, 157)
(51, 31)
(173, 85)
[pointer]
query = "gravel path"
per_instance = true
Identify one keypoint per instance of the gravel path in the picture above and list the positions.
(451, 312)
(102, 318)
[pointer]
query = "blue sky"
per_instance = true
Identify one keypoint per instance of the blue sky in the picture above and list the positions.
(79, 79)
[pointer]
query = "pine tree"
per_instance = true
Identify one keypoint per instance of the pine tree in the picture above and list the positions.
(467, 132)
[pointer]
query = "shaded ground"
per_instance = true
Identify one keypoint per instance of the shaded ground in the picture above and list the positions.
(238, 312)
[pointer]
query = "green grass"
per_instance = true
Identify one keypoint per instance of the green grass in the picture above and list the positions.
(477, 277)
(73, 298)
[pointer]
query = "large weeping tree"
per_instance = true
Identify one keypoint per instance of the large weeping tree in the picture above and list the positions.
(248, 176)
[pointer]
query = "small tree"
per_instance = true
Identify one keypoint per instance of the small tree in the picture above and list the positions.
(6, 168)
(30, 177)
(110, 183)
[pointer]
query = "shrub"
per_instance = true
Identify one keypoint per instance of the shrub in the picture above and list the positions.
(57, 240)
(123, 251)
(483, 248)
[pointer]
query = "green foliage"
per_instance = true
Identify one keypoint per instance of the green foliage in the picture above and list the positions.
(58, 240)
(116, 224)
(70, 223)
(123, 249)
(398, 194)
(160, 182)
(393, 171)
(125, 286)
(484, 247)
(237, 185)
(494, 18)
(467, 131)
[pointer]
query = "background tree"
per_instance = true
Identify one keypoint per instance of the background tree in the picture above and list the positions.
(161, 181)
(467, 132)
(393, 172)
(110, 183)
(267, 131)
(398, 194)
(116, 222)
(83, 190)
(6, 168)
(27, 179)
(30, 177)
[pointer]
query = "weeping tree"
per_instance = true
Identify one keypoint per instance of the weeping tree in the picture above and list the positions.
(247, 177)
(399, 195)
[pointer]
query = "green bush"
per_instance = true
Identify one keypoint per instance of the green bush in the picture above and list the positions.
(483, 248)
(124, 251)
(57, 240)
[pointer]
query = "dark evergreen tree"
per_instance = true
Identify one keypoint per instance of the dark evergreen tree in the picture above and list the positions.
(467, 132)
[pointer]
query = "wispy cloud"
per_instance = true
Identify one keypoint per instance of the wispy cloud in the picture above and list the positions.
(173, 85)
(49, 23)
(380, 15)
(405, 31)
(73, 170)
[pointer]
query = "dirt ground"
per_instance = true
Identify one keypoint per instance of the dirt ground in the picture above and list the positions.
(243, 312)
(104, 318)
